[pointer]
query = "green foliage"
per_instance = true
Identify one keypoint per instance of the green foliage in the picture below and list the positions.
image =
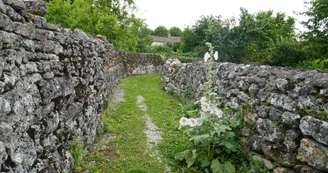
(170, 50)
(161, 31)
(144, 38)
(163, 50)
(264, 38)
(175, 31)
(211, 144)
(319, 64)
(315, 41)
(77, 151)
(317, 13)
(113, 19)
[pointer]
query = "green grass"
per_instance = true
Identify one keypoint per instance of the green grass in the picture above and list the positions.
(126, 150)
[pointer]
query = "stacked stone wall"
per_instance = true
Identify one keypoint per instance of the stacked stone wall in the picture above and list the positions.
(285, 111)
(53, 82)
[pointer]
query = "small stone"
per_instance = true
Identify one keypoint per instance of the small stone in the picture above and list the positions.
(6, 133)
(286, 159)
(250, 118)
(256, 142)
(267, 129)
(282, 84)
(308, 169)
(23, 152)
(314, 154)
(283, 101)
(282, 170)
(3, 153)
(253, 89)
(4, 107)
(234, 103)
(291, 119)
(291, 141)
(321, 80)
(2, 8)
(50, 142)
(49, 75)
(52, 122)
(25, 30)
(37, 7)
(324, 92)
(274, 114)
(15, 4)
(258, 158)
(245, 131)
(242, 96)
(10, 80)
(316, 128)
(19, 109)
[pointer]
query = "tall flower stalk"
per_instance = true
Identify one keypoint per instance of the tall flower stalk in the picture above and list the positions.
(208, 58)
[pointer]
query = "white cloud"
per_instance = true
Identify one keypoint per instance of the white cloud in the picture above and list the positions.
(182, 13)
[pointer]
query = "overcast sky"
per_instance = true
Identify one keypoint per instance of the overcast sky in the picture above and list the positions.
(183, 13)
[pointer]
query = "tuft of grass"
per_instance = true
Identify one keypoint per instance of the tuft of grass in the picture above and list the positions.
(126, 150)
(77, 151)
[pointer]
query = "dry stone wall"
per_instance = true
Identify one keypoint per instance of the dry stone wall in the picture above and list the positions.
(53, 82)
(285, 110)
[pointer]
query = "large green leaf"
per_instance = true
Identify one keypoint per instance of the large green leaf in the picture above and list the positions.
(200, 138)
(228, 167)
(191, 160)
(216, 166)
(204, 162)
(182, 155)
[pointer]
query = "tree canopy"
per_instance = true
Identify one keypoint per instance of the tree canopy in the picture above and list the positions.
(113, 19)
(262, 38)
(161, 31)
(175, 31)
(315, 40)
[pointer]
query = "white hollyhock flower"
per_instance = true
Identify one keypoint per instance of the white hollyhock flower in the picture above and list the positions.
(206, 56)
(198, 122)
(202, 100)
(216, 55)
(218, 112)
(206, 107)
(193, 122)
(184, 122)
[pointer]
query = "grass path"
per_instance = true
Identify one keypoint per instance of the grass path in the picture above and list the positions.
(123, 148)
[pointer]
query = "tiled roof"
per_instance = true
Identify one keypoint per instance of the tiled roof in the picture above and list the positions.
(168, 39)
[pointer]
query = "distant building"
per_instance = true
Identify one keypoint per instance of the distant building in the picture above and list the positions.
(162, 40)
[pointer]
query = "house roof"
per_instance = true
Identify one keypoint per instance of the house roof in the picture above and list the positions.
(168, 39)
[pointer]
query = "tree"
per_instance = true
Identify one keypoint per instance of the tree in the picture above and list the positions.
(261, 32)
(144, 38)
(113, 19)
(316, 39)
(161, 31)
(195, 37)
(175, 31)
(262, 38)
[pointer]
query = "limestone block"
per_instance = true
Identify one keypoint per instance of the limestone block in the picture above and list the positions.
(269, 131)
(314, 154)
(316, 128)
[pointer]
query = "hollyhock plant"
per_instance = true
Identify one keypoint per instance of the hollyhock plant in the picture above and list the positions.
(211, 133)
